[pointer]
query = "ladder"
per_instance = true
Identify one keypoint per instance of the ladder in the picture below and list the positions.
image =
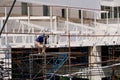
(60, 60)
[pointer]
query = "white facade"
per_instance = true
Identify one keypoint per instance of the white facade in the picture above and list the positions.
(36, 9)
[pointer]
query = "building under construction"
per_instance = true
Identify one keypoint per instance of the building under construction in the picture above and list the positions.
(83, 43)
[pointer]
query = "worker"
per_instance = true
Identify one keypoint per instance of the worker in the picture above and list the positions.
(40, 42)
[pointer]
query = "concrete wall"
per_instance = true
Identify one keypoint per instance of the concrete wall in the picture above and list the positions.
(73, 13)
(7, 4)
(36, 10)
(57, 11)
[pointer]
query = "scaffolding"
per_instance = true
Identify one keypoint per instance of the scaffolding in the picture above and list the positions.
(27, 61)
(67, 62)
(5, 64)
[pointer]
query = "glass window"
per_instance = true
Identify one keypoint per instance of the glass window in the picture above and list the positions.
(45, 10)
(63, 13)
(24, 9)
(79, 13)
(104, 15)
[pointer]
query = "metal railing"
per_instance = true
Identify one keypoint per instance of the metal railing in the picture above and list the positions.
(19, 31)
(22, 31)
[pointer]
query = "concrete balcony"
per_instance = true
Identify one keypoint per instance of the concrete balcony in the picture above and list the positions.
(112, 3)
(107, 2)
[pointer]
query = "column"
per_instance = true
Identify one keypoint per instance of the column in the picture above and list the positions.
(94, 58)
(112, 12)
